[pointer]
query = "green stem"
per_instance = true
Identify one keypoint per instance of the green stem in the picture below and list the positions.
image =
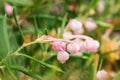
(36, 27)
(24, 45)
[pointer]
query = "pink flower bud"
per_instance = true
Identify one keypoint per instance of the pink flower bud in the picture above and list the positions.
(91, 45)
(62, 56)
(90, 26)
(102, 75)
(8, 9)
(58, 46)
(73, 48)
(75, 26)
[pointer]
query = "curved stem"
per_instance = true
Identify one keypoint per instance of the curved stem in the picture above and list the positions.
(24, 45)
(82, 37)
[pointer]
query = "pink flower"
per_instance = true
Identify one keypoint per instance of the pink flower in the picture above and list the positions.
(102, 75)
(58, 46)
(90, 25)
(62, 56)
(73, 48)
(91, 45)
(75, 26)
(8, 9)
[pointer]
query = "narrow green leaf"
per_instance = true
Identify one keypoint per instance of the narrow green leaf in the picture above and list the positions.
(103, 24)
(19, 3)
(15, 17)
(63, 26)
(25, 71)
(36, 27)
(7, 68)
(92, 5)
(41, 63)
(107, 8)
(4, 40)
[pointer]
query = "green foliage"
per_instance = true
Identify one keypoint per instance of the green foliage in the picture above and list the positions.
(22, 58)
(4, 41)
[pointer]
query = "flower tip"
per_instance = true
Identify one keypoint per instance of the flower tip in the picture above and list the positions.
(8, 9)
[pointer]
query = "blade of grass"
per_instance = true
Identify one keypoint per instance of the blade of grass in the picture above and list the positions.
(103, 24)
(92, 5)
(63, 25)
(37, 31)
(36, 27)
(9, 70)
(25, 71)
(48, 17)
(41, 63)
(4, 39)
(15, 17)
(19, 3)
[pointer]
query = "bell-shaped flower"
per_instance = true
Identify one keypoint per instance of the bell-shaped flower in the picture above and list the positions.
(62, 56)
(75, 26)
(90, 25)
(73, 48)
(58, 46)
(91, 45)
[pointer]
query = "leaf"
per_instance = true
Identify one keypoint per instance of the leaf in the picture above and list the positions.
(93, 3)
(41, 63)
(20, 29)
(25, 71)
(8, 70)
(107, 8)
(63, 25)
(19, 3)
(103, 24)
(4, 40)
(36, 27)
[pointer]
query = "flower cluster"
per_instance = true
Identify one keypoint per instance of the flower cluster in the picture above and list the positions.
(77, 27)
(73, 43)
(75, 46)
